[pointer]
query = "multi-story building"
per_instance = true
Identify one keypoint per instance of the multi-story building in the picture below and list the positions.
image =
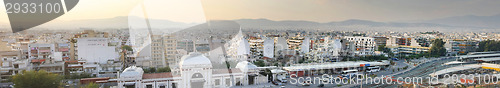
(158, 52)
(96, 50)
(380, 40)
(11, 63)
(203, 46)
(170, 47)
(256, 46)
(460, 46)
(280, 44)
(40, 51)
(186, 44)
(22, 44)
(92, 33)
(361, 45)
(298, 43)
(268, 48)
(408, 50)
(45, 57)
(295, 42)
(333, 46)
(396, 41)
(63, 51)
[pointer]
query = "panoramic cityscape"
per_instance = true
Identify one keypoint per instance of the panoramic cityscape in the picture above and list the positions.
(202, 44)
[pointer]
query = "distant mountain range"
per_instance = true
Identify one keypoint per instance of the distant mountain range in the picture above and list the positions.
(469, 20)
(464, 23)
(113, 23)
(267, 24)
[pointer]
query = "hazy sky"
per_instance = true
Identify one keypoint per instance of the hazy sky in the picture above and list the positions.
(310, 10)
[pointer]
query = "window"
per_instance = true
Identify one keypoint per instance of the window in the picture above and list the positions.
(228, 82)
(217, 82)
(174, 85)
(149, 86)
(238, 81)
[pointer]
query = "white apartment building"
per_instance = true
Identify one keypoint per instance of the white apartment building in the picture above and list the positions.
(11, 64)
(40, 51)
(361, 45)
(268, 48)
(158, 52)
(170, 48)
(96, 50)
(333, 46)
(256, 46)
(280, 44)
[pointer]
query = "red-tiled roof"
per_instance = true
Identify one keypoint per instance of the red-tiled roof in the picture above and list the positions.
(38, 60)
(157, 75)
(103, 78)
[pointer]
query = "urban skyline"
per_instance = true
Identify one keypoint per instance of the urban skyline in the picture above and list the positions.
(250, 44)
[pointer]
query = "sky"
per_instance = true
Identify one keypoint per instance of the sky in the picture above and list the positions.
(309, 10)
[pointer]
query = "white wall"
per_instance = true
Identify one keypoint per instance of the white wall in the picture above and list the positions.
(269, 48)
(96, 50)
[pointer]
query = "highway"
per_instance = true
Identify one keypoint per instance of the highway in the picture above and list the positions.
(421, 70)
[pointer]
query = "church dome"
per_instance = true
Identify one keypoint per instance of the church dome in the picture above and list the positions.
(132, 72)
(246, 66)
(195, 59)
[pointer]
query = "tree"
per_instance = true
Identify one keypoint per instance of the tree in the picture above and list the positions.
(267, 72)
(228, 65)
(260, 63)
(437, 48)
(488, 45)
(78, 76)
(128, 48)
(163, 69)
(36, 79)
(150, 70)
(381, 48)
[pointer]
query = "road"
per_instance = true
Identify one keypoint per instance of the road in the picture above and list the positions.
(388, 71)
(422, 70)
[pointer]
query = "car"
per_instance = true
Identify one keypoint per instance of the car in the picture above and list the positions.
(350, 76)
(395, 59)
(283, 80)
(306, 83)
(321, 85)
(275, 83)
(326, 79)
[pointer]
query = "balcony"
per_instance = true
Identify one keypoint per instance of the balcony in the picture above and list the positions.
(37, 60)
(63, 49)
(43, 51)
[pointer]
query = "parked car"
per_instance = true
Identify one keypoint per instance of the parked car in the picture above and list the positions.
(395, 59)
(306, 83)
(321, 85)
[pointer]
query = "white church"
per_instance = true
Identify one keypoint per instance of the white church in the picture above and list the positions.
(195, 72)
